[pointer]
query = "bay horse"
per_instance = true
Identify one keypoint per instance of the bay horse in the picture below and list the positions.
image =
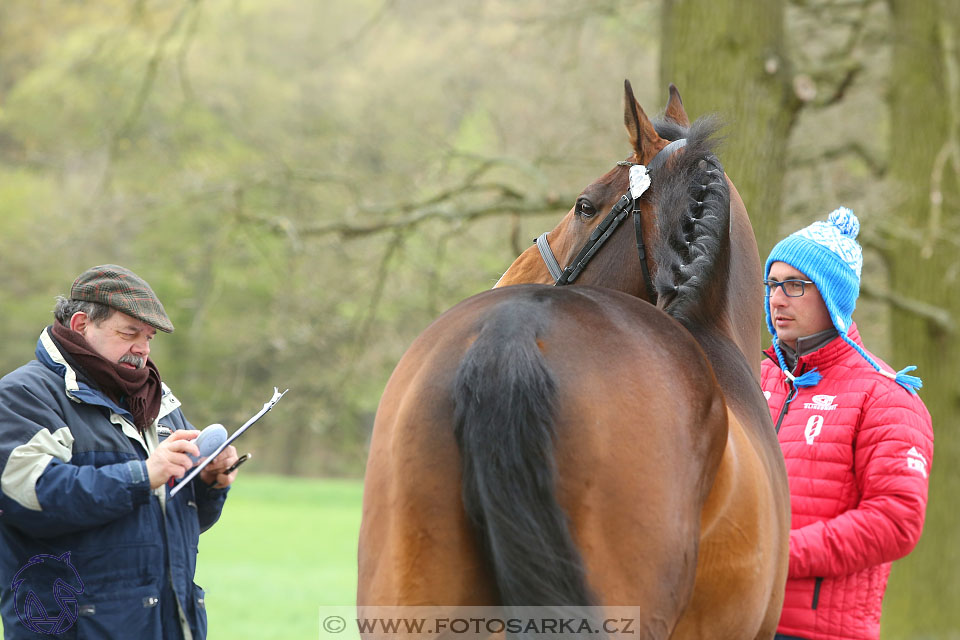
(604, 445)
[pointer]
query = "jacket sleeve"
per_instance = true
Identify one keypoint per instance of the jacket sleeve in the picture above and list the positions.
(892, 457)
(41, 492)
(209, 503)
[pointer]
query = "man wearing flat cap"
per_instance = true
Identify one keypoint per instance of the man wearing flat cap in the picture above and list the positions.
(91, 543)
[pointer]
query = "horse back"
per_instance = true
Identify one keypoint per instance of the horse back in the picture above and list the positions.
(532, 424)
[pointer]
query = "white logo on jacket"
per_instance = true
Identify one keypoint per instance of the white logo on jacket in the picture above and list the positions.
(812, 430)
(821, 403)
(916, 461)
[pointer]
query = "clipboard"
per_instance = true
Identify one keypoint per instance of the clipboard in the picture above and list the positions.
(236, 434)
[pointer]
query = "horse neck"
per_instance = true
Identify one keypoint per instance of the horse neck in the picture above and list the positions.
(734, 310)
(745, 297)
(528, 268)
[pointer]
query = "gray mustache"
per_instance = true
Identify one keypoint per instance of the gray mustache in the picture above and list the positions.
(136, 361)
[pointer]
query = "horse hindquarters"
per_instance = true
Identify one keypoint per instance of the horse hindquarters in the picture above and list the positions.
(590, 428)
(459, 499)
(416, 547)
(597, 414)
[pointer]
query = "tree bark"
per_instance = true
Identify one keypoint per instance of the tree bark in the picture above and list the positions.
(923, 242)
(729, 58)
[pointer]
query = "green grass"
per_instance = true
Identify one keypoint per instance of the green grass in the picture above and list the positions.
(283, 548)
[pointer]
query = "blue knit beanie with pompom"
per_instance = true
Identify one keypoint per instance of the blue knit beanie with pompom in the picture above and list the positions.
(828, 253)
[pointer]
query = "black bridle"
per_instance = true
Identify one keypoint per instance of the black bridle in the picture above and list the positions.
(626, 204)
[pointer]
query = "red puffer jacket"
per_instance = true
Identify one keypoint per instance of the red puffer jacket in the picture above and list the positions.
(858, 449)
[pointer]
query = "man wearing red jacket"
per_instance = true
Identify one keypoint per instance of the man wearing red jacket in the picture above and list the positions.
(857, 440)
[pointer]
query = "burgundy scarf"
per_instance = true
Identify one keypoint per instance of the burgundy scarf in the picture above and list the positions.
(139, 388)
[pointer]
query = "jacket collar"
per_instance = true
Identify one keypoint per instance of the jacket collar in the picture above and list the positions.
(807, 344)
(818, 350)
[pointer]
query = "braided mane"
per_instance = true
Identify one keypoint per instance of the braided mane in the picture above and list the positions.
(692, 209)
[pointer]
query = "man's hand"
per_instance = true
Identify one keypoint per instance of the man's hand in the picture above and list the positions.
(170, 459)
(213, 473)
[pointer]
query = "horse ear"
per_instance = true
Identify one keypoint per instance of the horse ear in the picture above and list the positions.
(675, 109)
(642, 133)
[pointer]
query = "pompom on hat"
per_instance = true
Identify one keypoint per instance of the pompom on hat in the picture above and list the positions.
(828, 253)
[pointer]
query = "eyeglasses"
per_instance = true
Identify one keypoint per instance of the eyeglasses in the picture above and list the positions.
(792, 288)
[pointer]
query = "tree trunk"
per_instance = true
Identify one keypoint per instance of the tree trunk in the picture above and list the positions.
(923, 246)
(728, 58)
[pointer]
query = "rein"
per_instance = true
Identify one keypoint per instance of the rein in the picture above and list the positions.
(619, 211)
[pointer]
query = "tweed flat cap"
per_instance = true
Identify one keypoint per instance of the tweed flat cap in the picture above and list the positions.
(123, 290)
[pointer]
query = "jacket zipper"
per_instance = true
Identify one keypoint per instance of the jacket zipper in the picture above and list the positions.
(786, 406)
(791, 395)
(816, 592)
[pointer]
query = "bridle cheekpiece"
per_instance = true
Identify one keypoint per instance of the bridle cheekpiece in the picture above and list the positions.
(640, 179)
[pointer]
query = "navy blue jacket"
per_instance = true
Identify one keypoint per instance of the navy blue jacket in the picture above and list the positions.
(87, 549)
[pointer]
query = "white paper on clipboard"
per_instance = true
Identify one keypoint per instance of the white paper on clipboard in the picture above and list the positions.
(236, 434)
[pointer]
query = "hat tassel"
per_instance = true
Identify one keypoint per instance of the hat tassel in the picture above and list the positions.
(908, 382)
(809, 379)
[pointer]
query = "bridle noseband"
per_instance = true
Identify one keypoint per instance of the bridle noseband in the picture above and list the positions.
(609, 224)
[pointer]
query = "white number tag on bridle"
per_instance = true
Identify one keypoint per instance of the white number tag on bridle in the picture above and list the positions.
(639, 180)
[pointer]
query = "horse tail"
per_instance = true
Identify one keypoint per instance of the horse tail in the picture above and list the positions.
(505, 396)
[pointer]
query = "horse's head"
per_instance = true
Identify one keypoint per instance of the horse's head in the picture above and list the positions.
(686, 243)
(607, 268)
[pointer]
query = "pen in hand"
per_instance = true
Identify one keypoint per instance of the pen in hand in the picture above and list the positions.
(239, 462)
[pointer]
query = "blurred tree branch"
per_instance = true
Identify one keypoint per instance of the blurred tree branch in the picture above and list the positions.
(875, 165)
(150, 75)
(188, 38)
(125, 130)
(474, 197)
(938, 316)
(885, 234)
(360, 332)
(349, 43)
(444, 207)
(819, 7)
(824, 81)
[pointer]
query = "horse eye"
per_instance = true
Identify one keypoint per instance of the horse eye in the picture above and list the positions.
(585, 209)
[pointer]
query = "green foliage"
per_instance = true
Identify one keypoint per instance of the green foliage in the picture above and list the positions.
(203, 144)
